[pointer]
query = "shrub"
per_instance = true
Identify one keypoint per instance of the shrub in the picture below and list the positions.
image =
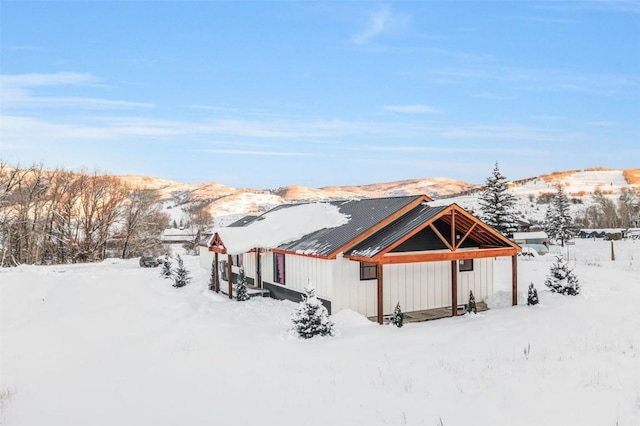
(397, 318)
(241, 287)
(182, 277)
(532, 297)
(561, 279)
(312, 318)
(471, 306)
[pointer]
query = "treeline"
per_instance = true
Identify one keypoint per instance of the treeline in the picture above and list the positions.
(606, 212)
(65, 217)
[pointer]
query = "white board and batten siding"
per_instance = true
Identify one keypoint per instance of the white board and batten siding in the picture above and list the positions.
(299, 271)
(206, 258)
(416, 286)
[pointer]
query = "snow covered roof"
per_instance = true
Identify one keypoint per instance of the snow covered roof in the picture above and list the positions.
(313, 228)
(280, 225)
(365, 215)
(530, 235)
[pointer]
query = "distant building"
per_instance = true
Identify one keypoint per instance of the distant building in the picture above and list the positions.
(538, 240)
(178, 236)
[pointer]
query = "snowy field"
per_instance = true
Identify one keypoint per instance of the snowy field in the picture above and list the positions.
(115, 344)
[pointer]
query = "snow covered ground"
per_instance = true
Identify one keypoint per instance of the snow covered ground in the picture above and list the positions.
(115, 344)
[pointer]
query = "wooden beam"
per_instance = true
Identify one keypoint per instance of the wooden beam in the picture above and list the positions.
(441, 256)
(453, 230)
(230, 276)
(466, 235)
(216, 280)
(454, 288)
(443, 239)
(380, 293)
(514, 279)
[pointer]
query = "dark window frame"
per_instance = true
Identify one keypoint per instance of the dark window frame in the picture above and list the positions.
(276, 279)
(366, 271)
(237, 260)
(465, 265)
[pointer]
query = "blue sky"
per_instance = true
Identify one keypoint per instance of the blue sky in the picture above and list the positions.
(265, 94)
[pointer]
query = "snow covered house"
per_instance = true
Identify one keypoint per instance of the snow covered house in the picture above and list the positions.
(365, 255)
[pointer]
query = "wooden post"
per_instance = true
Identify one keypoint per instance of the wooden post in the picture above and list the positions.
(258, 280)
(380, 294)
(453, 230)
(613, 254)
(216, 280)
(230, 276)
(454, 288)
(514, 280)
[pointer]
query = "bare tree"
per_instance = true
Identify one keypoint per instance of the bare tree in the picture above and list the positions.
(142, 223)
(629, 207)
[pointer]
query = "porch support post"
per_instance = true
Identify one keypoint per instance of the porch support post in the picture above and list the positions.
(230, 276)
(216, 279)
(380, 304)
(514, 279)
(258, 281)
(454, 288)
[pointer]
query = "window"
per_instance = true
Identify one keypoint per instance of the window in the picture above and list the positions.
(465, 265)
(278, 268)
(236, 260)
(368, 271)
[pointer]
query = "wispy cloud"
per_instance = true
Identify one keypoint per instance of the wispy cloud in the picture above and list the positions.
(378, 22)
(18, 91)
(512, 133)
(411, 109)
(41, 79)
(256, 153)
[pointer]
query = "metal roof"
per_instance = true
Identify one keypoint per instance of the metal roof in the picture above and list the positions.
(243, 221)
(363, 214)
(395, 231)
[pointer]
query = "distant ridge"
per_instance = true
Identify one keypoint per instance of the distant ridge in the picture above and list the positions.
(223, 200)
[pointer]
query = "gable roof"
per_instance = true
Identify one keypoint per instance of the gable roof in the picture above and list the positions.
(366, 216)
(374, 228)
(464, 227)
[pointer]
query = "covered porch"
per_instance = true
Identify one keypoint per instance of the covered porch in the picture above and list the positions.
(450, 234)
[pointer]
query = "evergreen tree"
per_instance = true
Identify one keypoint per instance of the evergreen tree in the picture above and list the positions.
(212, 276)
(558, 223)
(562, 279)
(532, 297)
(397, 318)
(167, 271)
(497, 205)
(182, 277)
(312, 318)
(471, 306)
(241, 287)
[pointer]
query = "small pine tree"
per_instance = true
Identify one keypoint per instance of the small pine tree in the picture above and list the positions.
(182, 277)
(397, 318)
(167, 271)
(558, 223)
(471, 306)
(532, 297)
(497, 205)
(312, 318)
(562, 279)
(241, 287)
(212, 276)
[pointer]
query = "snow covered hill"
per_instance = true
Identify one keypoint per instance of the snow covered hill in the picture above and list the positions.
(226, 203)
(114, 344)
